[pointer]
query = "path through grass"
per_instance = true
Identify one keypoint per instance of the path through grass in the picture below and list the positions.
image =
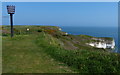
(21, 55)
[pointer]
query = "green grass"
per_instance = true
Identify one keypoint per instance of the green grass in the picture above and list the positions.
(22, 55)
(43, 52)
(84, 61)
(0, 54)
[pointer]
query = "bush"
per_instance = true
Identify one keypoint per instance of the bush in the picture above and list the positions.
(84, 61)
(5, 34)
(39, 30)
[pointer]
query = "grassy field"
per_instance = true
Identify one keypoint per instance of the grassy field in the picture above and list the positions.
(47, 50)
(22, 55)
(0, 54)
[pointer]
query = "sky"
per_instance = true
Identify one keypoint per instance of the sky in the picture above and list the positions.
(59, 0)
(100, 14)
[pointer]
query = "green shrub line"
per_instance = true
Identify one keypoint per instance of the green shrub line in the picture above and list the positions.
(84, 61)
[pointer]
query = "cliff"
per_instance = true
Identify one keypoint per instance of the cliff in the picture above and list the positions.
(102, 43)
(45, 49)
(64, 39)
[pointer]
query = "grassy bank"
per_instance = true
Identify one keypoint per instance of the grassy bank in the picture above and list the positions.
(45, 49)
(85, 61)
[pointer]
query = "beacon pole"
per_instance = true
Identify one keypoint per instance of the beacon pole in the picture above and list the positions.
(11, 22)
(11, 11)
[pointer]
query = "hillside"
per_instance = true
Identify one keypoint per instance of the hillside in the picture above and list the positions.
(45, 49)
(62, 39)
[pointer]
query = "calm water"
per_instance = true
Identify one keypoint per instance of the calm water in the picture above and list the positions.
(94, 31)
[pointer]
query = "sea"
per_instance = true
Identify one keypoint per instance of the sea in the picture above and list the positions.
(94, 31)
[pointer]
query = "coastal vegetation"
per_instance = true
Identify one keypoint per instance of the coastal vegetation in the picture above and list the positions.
(46, 49)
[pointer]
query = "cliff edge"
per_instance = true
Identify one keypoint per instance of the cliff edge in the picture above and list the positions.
(64, 39)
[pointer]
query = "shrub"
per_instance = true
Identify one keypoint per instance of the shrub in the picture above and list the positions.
(39, 30)
(84, 61)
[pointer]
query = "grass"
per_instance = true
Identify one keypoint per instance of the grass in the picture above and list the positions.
(0, 54)
(43, 52)
(85, 61)
(22, 55)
